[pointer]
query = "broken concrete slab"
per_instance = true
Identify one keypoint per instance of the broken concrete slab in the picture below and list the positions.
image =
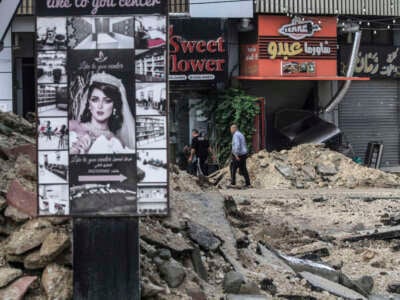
(173, 273)
(331, 287)
(326, 169)
(54, 244)
(274, 260)
(366, 283)
(149, 289)
(383, 297)
(303, 265)
(29, 236)
(392, 220)
(160, 236)
(317, 249)
(323, 270)
(394, 287)
(233, 281)
(387, 233)
(17, 289)
(203, 236)
(198, 265)
(207, 209)
(8, 275)
(285, 170)
(57, 282)
(247, 297)
(34, 261)
(27, 149)
(21, 198)
(249, 288)
(15, 214)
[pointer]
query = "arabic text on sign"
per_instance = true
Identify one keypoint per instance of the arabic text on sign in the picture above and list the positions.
(284, 49)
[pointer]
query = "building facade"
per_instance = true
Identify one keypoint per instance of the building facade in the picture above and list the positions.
(284, 70)
(359, 117)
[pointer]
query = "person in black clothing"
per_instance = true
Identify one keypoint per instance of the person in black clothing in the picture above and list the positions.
(200, 148)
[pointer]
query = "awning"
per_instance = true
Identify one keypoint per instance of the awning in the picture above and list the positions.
(298, 78)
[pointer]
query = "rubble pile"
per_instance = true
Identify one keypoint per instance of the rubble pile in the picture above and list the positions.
(35, 255)
(307, 166)
(182, 181)
(222, 244)
(219, 247)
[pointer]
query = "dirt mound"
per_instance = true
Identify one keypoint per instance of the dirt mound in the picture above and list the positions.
(183, 181)
(308, 166)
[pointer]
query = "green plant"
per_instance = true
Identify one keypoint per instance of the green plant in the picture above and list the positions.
(232, 106)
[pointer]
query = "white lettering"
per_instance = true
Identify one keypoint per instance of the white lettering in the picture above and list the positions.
(81, 3)
(59, 4)
(138, 3)
(101, 4)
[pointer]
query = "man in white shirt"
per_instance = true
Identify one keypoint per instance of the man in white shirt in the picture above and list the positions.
(239, 156)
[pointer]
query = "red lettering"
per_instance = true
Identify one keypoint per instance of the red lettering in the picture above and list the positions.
(211, 46)
(174, 59)
(210, 65)
(201, 46)
(174, 42)
(197, 65)
(220, 42)
(183, 66)
(187, 46)
(219, 63)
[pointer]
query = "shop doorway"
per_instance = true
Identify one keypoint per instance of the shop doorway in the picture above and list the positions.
(28, 86)
(259, 137)
(24, 73)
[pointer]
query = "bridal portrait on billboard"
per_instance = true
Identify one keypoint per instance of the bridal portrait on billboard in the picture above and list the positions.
(101, 119)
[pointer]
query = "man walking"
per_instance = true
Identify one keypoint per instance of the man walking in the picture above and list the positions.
(199, 149)
(239, 156)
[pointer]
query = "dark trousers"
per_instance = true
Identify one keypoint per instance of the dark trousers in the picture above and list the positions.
(241, 165)
(203, 165)
(199, 164)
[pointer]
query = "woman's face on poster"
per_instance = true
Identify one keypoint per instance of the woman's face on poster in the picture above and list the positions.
(100, 105)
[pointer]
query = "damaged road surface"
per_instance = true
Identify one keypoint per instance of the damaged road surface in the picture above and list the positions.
(316, 226)
(338, 245)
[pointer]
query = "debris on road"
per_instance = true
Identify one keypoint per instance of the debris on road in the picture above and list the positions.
(308, 166)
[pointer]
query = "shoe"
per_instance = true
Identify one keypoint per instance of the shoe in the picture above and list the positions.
(231, 186)
(247, 186)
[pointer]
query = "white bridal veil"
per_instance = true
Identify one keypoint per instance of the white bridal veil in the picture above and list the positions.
(127, 132)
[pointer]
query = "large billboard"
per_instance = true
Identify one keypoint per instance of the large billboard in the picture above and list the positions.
(102, 108)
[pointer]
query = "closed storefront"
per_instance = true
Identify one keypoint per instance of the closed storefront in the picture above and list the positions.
(370, 113)
(370, 110)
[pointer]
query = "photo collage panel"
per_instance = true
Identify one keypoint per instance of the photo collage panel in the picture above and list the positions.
(151, 114)
(102, 115)
(52, 111)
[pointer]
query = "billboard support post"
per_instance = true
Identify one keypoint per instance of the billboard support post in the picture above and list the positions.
(106, 258)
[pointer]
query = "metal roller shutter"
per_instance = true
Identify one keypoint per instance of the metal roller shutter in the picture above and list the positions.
(370, 112)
